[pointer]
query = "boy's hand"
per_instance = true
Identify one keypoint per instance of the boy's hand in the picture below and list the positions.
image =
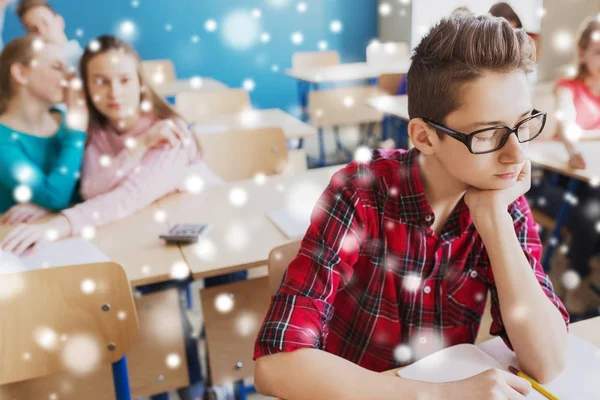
(485, 202)
(491, 384)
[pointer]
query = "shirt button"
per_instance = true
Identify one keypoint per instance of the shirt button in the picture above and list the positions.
(427, 289)
(428, 218)
(473, 274)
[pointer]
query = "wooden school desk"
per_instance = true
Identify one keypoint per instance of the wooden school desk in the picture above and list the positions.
(311, 78)
(553, 156)
(239, 237)
(292, 127)
(396, 106)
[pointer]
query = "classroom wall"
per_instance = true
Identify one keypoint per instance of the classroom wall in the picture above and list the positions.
(396, 26)
(233, 52)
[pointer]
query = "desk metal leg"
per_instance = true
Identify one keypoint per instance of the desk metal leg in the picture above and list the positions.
(121, 379)
(560, 220)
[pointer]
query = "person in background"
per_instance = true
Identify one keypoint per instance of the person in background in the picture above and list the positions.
(41, 148)
(504, 10)
(578, 98)
(39, 18)
(138, 150)
(578, 104)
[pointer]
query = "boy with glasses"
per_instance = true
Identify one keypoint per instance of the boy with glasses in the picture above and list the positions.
(402, 250)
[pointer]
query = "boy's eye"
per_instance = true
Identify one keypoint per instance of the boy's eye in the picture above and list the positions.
(125, 80)
(99, 81)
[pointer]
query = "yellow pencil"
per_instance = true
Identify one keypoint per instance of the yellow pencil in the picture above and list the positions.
(534, 384)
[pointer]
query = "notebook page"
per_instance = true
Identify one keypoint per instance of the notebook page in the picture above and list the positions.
(450, 364)
(579, 381)
(455, 363)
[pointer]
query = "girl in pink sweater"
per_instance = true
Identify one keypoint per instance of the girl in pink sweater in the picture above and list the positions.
(138, 149)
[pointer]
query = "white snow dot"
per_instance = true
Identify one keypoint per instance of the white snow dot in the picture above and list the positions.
(210, 25)
(196, 82)
(105, 161)
(265, 38)
(249, 84)
(180, 270)
(173, 361)
(160, 216)
(88, 286)
(363, 154)
(224, 303)
(570, 279)
(88, 232)
(385, 9)
(323, 45)
(402, 354)
(238, 196)
(336, 26)
(194, 184)
(22, 193)
(301, 7)
(297, 38)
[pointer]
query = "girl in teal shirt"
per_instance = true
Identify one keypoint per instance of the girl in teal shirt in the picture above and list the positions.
(41, 148)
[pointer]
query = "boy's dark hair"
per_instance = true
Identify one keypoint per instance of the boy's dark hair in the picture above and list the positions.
(458, 50)
(26, 5)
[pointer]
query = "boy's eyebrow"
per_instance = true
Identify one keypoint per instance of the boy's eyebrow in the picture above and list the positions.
(492, 123)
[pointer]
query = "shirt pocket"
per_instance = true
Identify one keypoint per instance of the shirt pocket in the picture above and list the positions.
(464, 295)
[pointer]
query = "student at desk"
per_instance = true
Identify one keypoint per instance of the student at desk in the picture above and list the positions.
(41, 148)
(402, 249)
(138, 149)
(578, 101)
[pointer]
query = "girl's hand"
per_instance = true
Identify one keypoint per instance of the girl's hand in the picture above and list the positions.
(23, 213)
(29, 237)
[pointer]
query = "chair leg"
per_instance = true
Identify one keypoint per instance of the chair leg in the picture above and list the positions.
(322, 160)
(562, 216)
(339, 144)
(121, 379)
(240, 390)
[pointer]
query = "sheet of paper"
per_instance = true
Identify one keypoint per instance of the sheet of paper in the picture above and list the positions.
(579, 380)
(71, 251)
(450, 364)
(455, 363)
(292, 224)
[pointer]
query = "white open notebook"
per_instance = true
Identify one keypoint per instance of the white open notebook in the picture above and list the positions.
(579, 381)
(71, 251)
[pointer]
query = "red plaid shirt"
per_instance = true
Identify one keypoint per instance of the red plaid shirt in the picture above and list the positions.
(372, 283)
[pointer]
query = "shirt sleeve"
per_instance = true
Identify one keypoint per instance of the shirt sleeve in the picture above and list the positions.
(527, 233)
(97, 178)
(159, 174)
(300, 311)
(52, 190)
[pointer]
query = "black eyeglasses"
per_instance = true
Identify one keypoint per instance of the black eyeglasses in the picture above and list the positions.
(491, 139)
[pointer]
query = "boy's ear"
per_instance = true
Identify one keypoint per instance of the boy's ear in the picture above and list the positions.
(19, 74)
(422, 135)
